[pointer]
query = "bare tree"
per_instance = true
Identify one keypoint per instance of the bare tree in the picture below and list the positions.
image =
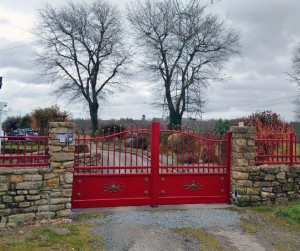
(297, 109)
(82, 50)
(185, 47)
(295, 74)
(295, 77)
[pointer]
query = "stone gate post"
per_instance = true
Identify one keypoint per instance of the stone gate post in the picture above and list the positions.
(30, 193)
(242, 164)
(61, 161)
(259, 184)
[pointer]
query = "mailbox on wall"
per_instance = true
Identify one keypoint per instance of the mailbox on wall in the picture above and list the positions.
(66, 138)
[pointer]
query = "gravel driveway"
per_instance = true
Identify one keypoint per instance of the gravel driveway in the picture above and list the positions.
(161, 230)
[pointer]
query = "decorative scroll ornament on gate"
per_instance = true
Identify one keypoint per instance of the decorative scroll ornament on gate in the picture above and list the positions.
(113, 187)
(193, 186)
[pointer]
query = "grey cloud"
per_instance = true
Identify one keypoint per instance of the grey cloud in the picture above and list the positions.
(266, 93)
(266, 26)
(22, 76)
(16, 62)
(17, 55)
(4, 21)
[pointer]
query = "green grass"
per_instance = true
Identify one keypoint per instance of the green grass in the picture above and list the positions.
(287, 215)
(90, 216)
(290, 212)
(21, 146)
(72, 236)
(248, 227)
(62, 236)
(262, 209)
(166, 211)
(208, 241)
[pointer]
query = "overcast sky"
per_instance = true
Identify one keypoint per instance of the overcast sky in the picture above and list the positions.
(269, 30)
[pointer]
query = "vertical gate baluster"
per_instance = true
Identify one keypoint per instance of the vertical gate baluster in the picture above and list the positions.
(155, 133)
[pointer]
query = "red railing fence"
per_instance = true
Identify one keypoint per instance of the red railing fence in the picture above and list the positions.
(26, 150)
(277, 149)
(176, 148)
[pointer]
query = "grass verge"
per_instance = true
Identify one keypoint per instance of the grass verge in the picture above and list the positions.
(208, 242)
(287, 215)
(70, 236)
(248, 227)
(165, 211)
(89, 216)
(290, 212)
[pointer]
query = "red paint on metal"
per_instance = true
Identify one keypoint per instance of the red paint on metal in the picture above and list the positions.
(284, 150)
(228, 162)
(155, 134)
(175, 172)
(24, 151)
(291, 148)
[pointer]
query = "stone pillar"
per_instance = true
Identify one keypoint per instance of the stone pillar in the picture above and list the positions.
(259, 184)
(242, 164)
(61, 161)
(36, 193)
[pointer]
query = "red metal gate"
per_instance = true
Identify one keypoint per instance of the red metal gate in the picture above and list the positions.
(150, 166)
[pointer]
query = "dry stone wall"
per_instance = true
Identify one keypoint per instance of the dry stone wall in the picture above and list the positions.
(263, 184)
(28, 194)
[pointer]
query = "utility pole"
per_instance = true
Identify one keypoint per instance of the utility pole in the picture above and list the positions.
(2, 105)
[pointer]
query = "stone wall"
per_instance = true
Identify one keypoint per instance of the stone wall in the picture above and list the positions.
(28, 194)
(38, 193)
(259, 185)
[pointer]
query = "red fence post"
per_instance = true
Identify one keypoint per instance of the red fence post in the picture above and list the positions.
(155, 133)
(291, 148)
(228, 162)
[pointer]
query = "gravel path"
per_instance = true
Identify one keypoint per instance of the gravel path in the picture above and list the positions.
(156, 230)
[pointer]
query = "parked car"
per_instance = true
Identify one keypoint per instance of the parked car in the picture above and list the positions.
(21, 134)
(31, 132)
(14, 134)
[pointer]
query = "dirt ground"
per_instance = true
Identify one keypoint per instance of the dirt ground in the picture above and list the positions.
(243, 230)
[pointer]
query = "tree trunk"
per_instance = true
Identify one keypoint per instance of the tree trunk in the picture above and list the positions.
(94, 115)
(175, 120)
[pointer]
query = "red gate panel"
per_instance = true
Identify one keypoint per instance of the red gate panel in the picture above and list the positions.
(150, 166)
(190, 189)
(106, 191)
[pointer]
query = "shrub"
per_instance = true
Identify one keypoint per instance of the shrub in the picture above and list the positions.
(111, 129)
(164, 137)
(186, 147)
(42, 116)
(268, 125)
(16, 122)
(140, 143)
(222, 127)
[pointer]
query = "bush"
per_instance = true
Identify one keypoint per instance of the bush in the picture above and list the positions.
(164, 140)
(15, 122)
(187, 146)
(178, 142)
(268, 125)
(209, 154)
(222, 127)
(42, 116)
(140, 143)
(111, 129)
